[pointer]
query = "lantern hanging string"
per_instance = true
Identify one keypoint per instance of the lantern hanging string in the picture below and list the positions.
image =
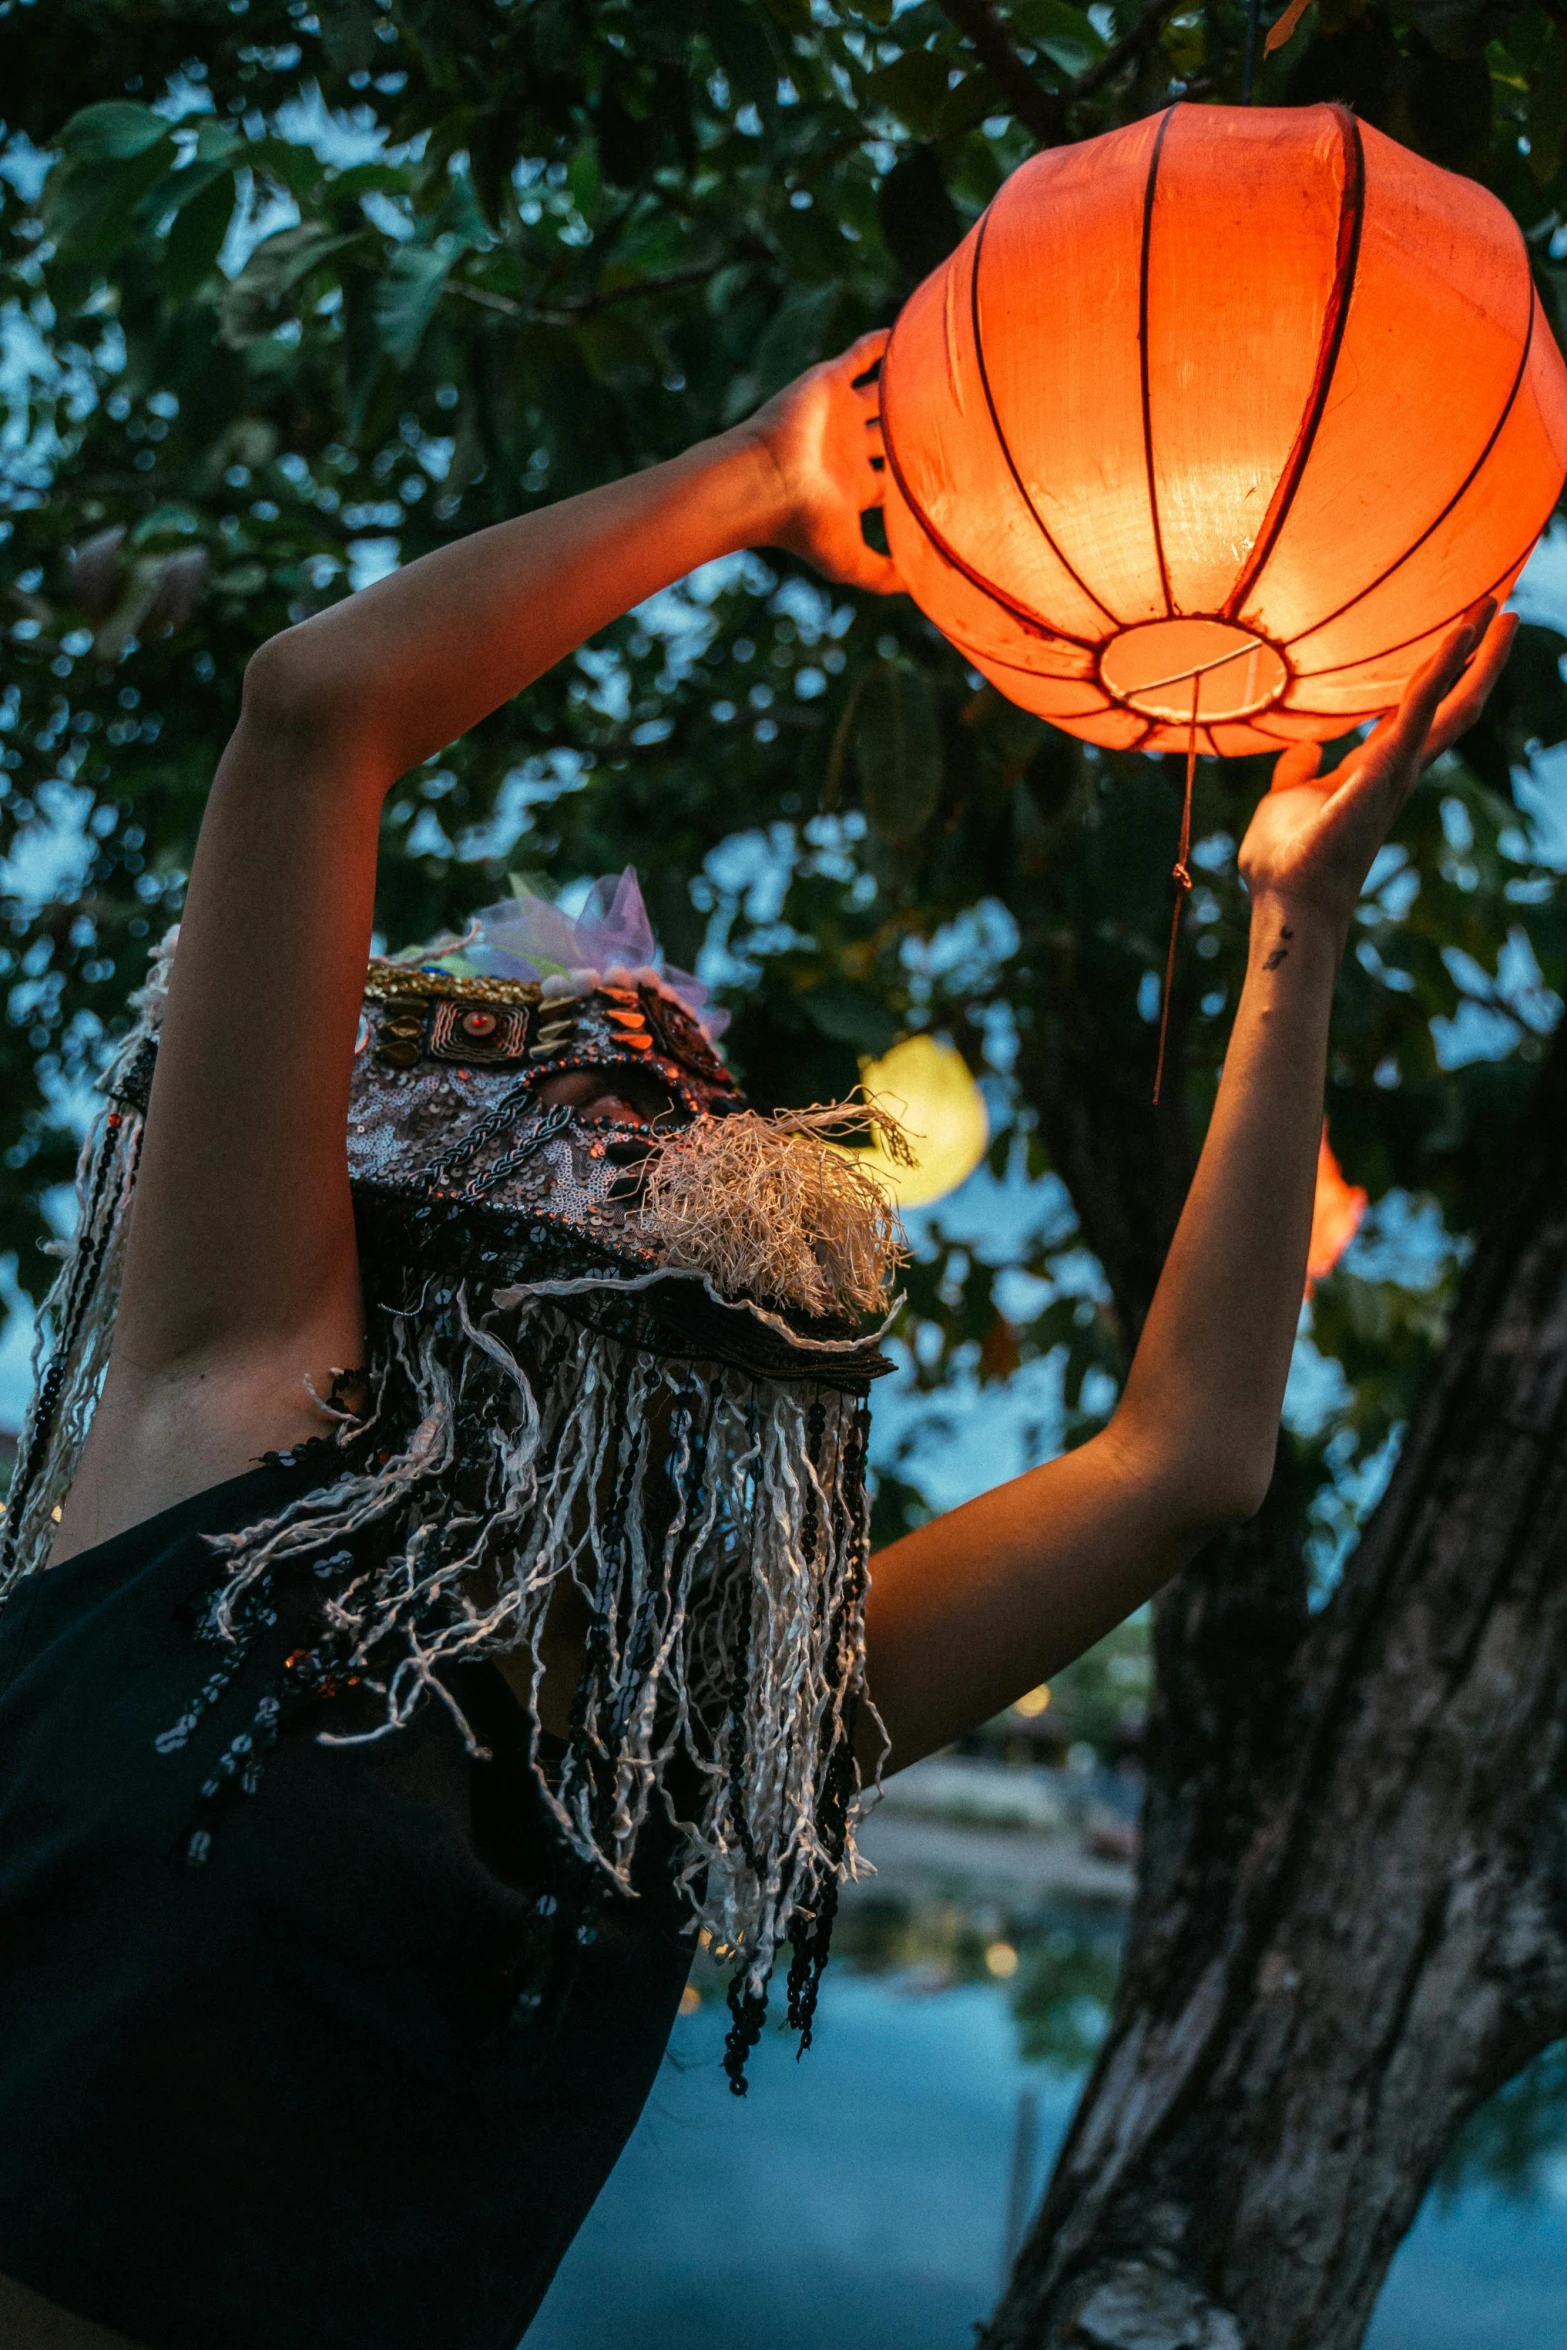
(1249, 68)
(1183, 882)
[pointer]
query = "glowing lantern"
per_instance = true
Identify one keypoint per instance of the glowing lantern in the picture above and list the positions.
(1224, 417)
(1335, 1216)
(928, 1087)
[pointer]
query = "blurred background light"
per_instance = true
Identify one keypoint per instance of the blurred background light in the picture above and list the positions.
(930, 1089)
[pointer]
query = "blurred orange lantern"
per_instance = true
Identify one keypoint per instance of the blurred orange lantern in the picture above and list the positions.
(1335, 1216)
(1220, 421)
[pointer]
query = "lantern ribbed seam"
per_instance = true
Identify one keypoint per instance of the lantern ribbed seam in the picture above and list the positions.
(1458, 495)
(1052, 634)
(1005, 447)
(1434, 629)
(1352, 207)
(1092, 680)
(1142, 359)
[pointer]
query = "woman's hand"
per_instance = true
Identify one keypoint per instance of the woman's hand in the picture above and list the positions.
(1312, 839)
(823, 436)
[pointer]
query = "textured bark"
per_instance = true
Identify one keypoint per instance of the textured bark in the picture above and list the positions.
(1351, 1925)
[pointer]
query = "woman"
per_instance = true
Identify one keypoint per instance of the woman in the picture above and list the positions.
(356, 2078)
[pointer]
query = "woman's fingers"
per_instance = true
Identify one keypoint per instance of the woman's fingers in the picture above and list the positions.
(1412, 721)
(1463, 705)
(859, 564)
(1333, 844)
(866, 351)
(866, 386)
(1388, 764)
(825, 434)
(1440, 701)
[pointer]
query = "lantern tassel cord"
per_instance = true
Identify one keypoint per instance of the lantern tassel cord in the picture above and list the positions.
(1183, 882)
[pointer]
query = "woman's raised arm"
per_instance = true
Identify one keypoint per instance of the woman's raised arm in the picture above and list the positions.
(980, 1605)
(241, 1277)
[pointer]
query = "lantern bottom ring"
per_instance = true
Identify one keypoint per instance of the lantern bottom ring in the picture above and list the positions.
(1158, 667)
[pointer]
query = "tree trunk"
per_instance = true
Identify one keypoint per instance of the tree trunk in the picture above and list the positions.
(1351, 1926)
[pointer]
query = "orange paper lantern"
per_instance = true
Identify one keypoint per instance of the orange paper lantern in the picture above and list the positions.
(1231, 414)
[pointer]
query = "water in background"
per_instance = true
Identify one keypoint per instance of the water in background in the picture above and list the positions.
(863, 2198)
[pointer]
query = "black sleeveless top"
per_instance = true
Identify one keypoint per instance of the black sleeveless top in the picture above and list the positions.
(290, 2096)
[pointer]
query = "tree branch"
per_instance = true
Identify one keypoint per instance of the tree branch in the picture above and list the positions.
(572, 313)
(1043, 111)
(1040, 110)
(1131, 45)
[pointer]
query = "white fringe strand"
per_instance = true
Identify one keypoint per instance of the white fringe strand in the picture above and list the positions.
(714, 1527)
(75, 1325)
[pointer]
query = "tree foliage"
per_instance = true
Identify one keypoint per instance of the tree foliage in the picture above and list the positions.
(290, 290)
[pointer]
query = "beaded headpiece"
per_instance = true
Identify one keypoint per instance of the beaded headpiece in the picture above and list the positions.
(617, 1346)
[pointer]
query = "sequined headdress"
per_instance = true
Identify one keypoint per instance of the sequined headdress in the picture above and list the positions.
(625, 1354)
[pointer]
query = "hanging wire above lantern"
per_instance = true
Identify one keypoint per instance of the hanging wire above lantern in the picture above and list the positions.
(1212, 427)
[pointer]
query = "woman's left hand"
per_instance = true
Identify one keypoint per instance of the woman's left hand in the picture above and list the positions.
(1313, 838)
(822, 435)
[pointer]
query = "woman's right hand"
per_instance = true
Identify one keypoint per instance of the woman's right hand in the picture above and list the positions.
(1312, 838)
(823, 436)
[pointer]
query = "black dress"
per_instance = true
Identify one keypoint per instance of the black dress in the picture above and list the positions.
(290, 2097)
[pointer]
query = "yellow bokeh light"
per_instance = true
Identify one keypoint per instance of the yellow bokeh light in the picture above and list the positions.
(1034, 1702)
(929, 1089)
(1001, 1959)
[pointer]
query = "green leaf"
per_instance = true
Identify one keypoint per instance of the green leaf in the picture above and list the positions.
(169, 521)
(914, 87)
(196, 238)
(405, 298)
(919, 220)
(1043, 22)
(798, 334)
(966, 104)
(216, 142)
(254, 303)
(182, 188)
(112, 132)
(348, 34)
(850, 1015)
(1444, 109)
(1069, 57)
(1454, 28)
(370, 179)
(748, 48)
(294, 168)
(1353, 63)
(897, 750)
(460, 215)
(90, 208)
(793, 15)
